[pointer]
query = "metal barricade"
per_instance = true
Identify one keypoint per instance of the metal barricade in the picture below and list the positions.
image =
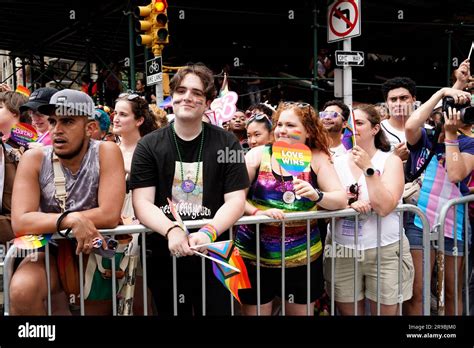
(128, 229)
(426, 269)
(308, 216)
(439, 229)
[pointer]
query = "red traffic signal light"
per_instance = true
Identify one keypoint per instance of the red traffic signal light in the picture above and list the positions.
(160, 5)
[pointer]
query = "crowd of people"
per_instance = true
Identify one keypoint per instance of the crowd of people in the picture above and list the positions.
(95, 167)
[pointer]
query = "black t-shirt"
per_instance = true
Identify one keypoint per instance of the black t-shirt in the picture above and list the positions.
(221, 170)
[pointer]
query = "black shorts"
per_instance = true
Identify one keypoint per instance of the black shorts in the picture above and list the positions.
(295, 283)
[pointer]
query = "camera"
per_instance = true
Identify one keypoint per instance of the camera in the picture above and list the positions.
(467, 110)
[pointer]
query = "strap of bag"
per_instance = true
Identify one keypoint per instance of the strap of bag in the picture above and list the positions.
(59, 183)
(432, 153)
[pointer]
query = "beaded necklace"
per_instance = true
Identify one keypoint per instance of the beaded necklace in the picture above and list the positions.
(188, 185)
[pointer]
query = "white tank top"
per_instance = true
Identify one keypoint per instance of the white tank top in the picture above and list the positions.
(345, 227)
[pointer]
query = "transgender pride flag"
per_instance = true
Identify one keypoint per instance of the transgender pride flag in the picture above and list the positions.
(436, 190)
(348, 136)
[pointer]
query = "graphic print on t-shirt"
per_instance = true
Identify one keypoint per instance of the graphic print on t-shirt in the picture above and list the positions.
(187, 193)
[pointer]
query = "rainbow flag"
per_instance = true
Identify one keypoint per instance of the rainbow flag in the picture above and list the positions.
(23, 90)
(232, 280)
(348, 137)
(436, 190)
(32, 241)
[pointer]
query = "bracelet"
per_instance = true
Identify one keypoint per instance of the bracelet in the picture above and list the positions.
(210, 231)
(172, 227)
(66, 234)
(58, 224)
(255, 211)
(447, 141)
(451, 144)
(320, 195)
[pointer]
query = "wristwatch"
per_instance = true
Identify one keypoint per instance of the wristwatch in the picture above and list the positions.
(369, 172)
(320, 195)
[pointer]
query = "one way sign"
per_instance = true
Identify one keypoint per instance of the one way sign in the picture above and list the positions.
(349, 58)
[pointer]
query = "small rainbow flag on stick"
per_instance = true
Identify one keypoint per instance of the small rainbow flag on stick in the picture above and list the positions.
(23, 90)
(32, 241)
(234, 276)
(348, 137)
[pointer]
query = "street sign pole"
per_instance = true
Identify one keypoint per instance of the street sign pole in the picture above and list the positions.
(159, 92)
(347, 77)
(154, 76)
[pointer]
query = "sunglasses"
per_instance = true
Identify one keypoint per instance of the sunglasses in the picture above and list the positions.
(329, 114)
(129, 96)
(298, 104)
(354, 189)
(259, 117)
(112, 245)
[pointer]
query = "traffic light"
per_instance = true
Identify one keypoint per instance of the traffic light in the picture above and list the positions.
(154, 25)
(161, 22)
(145, 25)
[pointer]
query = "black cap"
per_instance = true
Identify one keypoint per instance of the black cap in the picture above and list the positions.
(39, 97)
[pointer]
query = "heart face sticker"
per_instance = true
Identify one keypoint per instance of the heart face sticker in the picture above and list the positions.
(294, 158)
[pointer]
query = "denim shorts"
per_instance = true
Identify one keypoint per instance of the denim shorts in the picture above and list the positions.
(415, 237)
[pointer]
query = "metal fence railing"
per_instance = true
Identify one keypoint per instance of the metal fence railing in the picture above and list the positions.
(439, 230)
(257, 221)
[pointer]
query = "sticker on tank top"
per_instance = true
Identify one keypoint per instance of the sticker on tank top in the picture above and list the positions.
(348, 227)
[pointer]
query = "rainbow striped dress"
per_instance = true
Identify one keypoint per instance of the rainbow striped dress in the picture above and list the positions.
(265, 193)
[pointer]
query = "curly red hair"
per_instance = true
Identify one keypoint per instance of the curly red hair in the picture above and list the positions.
(318, 137)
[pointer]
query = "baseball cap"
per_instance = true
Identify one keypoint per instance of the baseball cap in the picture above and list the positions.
(69, 102)
(39, 97)
(103, 118)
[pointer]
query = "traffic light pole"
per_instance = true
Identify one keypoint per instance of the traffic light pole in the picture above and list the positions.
(131, 43)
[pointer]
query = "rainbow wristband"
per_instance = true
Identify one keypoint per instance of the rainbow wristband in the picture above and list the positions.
(447, 141)
(210, 231)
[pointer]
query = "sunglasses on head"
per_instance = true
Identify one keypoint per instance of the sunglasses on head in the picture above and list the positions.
(298, 104)
(258, 117)
(329, 114)
(129, 96)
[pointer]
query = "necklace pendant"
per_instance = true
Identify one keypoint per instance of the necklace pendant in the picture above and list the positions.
(289, 197)
(188, 186)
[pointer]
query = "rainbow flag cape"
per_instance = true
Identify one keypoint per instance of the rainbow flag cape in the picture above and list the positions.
(232, 280)
(436, 190)
(23, 90)
(348, 137)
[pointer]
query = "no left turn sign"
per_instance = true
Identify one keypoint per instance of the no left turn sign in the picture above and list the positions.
(343, 20)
